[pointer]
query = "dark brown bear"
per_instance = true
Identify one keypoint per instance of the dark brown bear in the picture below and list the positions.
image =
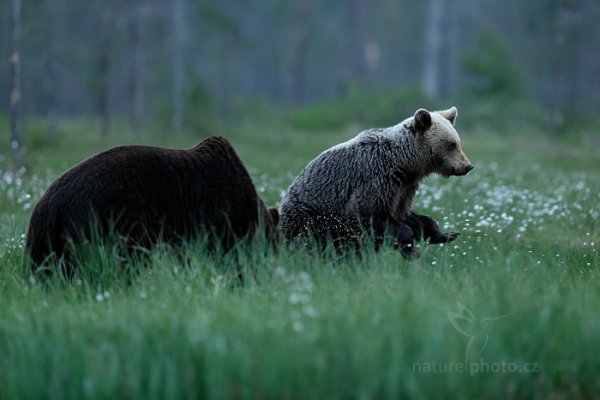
(147, 194)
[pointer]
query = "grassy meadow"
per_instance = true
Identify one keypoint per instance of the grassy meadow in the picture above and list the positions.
(509, 310)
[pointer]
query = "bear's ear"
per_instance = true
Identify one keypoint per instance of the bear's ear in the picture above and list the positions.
(450, 114)
(421, 120)
(274, 215)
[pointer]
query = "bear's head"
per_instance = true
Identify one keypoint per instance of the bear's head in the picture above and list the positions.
(437, 134)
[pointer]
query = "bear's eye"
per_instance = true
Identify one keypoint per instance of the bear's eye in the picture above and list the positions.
(451, 146)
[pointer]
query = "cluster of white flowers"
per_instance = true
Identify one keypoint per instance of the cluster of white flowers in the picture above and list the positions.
(272, 187)
(14, 242)
(503, 202)
(496, 202)
(300, 287)
(101, 296)
(21, 191)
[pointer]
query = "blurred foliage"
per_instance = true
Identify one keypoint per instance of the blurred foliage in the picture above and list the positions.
(379, 108)
(363, 107)
(200, 110)
(494, 96)
(492, 70)
(216, 20)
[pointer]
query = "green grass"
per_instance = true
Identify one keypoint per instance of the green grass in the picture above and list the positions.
(312, 326)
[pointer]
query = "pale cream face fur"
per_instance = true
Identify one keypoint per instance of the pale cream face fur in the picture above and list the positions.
(447, 154)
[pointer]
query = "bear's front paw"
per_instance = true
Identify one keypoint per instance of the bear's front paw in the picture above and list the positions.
(444, 237)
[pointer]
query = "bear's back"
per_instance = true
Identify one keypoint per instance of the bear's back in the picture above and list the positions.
(143, 192)
(344, 174)
(361, 177)
(140, 180)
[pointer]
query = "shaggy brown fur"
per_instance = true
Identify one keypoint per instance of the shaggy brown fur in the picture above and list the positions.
(367, 185)
(149, 194)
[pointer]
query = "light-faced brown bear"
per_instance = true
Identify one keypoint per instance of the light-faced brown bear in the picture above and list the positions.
(367, 185)
(146, 195)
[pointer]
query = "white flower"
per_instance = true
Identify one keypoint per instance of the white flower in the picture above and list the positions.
(298, 326)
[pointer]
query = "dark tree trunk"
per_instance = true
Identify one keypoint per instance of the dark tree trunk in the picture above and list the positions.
(15, 81)
(50, 68)
(136, 34)
(104, 53)
(300, 50)
(433, 45)
(564, 64)
(352, 63)
(453, 51)
(177, 43)
(224, 63)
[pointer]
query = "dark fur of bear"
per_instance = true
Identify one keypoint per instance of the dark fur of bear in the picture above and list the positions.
(363, 189)
(150, 194)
